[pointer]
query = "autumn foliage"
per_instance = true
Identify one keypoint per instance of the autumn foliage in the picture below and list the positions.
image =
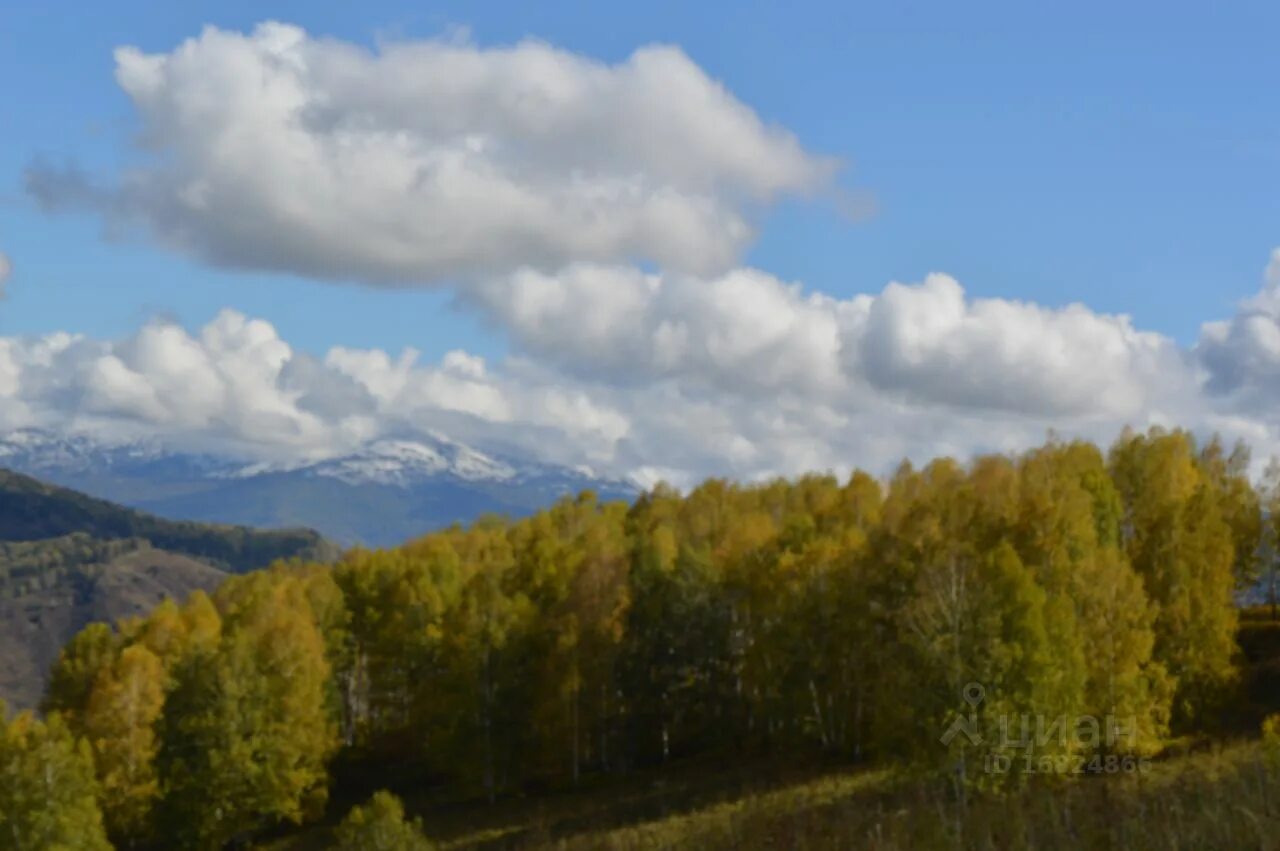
(815, 616)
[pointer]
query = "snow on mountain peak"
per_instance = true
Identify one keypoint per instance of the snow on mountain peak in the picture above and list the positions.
(403, 462)
(436, 480)
(37, 448)
(396, 461)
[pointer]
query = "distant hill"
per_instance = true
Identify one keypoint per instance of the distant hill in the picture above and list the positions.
(42, 610)
(31, 510)
(67, 559)
(382, 495)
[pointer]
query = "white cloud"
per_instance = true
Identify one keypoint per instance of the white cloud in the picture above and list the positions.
(430, 161)
(928, 343)
(744, 330)
(739, 375)
(925, 344)
(595, 213)
(1242, 354)
(237, 387)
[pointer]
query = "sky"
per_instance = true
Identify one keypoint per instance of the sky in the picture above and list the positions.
(661, 240)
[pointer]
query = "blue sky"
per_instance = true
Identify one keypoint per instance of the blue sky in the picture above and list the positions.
(1047, 154)
(1126, 158)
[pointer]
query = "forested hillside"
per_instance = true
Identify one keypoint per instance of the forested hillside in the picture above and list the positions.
(54, 588)
(31, 510)
(67, 560)
(850, 622)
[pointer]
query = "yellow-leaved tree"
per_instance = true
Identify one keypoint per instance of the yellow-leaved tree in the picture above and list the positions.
(247, 731)
(47, 791)
(1175, 532)
(119, 723)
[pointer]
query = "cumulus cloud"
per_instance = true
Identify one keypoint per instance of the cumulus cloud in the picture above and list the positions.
(1241, 355)
(925, 343)
(745, 330)
(662, 377)
(434, 161)
(595, 214)
(236, 386)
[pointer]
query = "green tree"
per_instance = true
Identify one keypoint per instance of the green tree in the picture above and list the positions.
(396, 603)
(1227, 475)
(969, 611)
(1269, 549)
(48, 797)
(171, 631)
(246, 732)
(676, 662)
(1181, 544)
(91, 651)
(119, 724)
(380, 825)
(1069, 532)
(486, 691)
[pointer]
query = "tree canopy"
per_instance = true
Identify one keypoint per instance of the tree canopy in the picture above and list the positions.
(855, 618)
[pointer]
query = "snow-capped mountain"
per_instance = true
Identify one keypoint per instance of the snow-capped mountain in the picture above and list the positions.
(403, 462)
(382, 494)
(35, 450)
(398, 462)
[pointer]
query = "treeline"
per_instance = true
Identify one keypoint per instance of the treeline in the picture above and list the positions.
(817, 616)
(31, 510)
(30, 566)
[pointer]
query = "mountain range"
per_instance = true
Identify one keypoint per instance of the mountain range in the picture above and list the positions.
(385, 493)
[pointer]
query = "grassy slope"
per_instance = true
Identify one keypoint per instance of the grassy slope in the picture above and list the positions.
(1224, 797)
(1228, 798)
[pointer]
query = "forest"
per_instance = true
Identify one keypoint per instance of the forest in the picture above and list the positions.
(1090, 595)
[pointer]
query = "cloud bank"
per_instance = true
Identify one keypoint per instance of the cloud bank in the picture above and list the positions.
(670, 377)
(746, 331)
